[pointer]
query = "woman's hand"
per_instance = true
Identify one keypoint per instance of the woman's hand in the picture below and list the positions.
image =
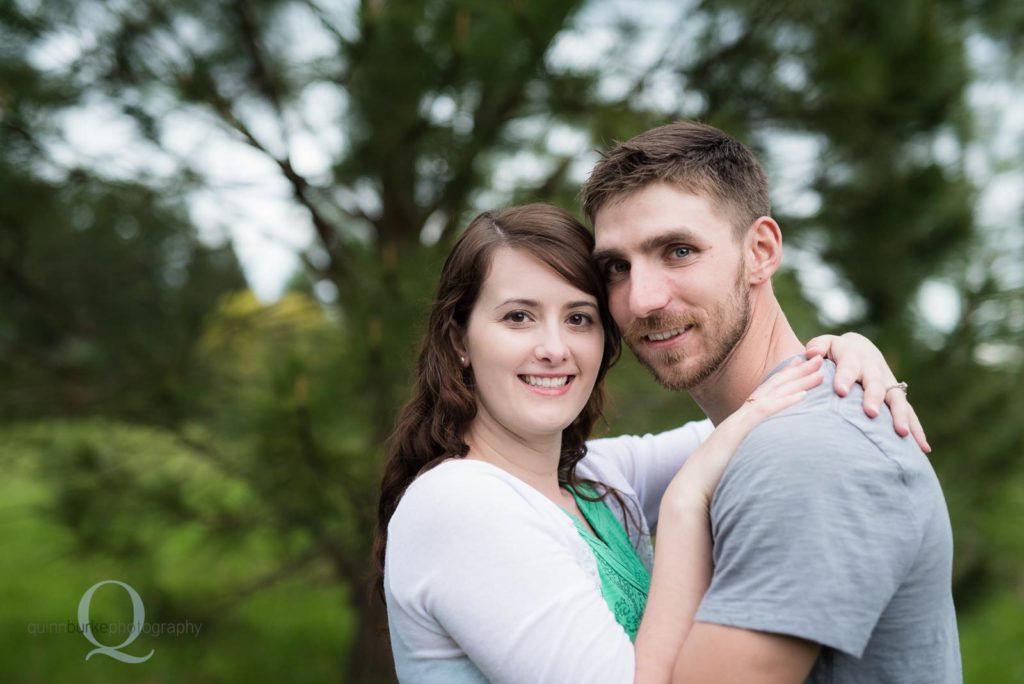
(697, 479)
(859, 360)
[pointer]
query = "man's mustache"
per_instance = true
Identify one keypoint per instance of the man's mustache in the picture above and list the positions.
(640, 327)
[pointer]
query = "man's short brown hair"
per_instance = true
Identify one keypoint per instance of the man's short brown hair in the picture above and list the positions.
(694, 157)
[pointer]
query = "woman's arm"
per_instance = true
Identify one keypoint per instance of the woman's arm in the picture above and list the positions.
(682, 567)
(490, 567)
(650, 462)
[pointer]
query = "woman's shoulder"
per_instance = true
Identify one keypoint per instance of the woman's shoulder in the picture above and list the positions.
(461, 507)
(461, 490)
(461, 475)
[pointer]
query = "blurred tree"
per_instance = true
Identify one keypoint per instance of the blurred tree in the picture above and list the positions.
(104, 285)
(432, 100)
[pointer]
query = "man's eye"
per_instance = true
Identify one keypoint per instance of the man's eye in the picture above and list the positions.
(616, 267)
(681, 252)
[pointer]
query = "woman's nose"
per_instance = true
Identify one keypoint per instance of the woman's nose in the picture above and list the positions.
(552, 346)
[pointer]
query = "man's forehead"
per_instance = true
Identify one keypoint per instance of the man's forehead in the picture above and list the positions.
(653, 212)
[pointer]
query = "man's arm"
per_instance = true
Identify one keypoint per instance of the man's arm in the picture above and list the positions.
(813, 533)
(723, 655)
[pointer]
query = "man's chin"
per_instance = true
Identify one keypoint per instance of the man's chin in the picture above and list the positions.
(675, 374)
(672, 378)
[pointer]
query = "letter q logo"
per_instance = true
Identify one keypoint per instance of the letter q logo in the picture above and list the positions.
(138, 619)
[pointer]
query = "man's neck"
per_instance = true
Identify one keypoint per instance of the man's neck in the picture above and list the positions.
(768, 341)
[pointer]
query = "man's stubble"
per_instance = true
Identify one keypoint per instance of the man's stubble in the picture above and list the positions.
(720, 331)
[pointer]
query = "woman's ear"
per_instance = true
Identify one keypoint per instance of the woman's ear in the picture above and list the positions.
(763, 250)
(460, 348)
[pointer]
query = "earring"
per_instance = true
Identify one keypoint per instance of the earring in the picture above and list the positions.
(462, 360)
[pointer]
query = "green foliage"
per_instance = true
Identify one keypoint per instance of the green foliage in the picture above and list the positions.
(92, 270)
(129, 479)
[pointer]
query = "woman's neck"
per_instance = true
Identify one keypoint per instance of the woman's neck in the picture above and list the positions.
(532, 460)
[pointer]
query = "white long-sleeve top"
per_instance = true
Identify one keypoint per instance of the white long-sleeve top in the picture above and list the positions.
(488, 580)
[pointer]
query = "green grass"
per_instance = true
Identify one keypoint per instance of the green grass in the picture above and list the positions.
(992, 640)
(295, 630)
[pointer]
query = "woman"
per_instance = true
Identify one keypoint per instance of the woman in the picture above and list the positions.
(509, 551)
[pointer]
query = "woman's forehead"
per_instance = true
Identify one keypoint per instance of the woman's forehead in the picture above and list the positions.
(516, 274)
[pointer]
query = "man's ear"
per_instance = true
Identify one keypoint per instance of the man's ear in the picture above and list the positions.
(763, 245)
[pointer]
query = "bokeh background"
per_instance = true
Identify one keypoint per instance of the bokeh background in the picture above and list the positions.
(221, 222)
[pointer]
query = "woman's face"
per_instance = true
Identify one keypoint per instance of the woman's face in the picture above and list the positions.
(534, 343)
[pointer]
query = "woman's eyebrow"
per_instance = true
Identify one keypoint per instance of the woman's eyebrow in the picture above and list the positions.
(521, 302)
(532, 303)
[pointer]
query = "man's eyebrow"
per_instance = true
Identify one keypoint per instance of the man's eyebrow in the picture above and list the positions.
(652, 244)
(607, 254)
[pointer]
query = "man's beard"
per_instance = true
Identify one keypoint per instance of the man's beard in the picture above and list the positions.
(721, 330)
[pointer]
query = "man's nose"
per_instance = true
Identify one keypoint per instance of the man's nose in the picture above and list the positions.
(648, 291)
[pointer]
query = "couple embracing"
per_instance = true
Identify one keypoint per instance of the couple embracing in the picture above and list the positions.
(801, 532)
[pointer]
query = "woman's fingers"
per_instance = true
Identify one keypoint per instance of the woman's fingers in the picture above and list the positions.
(795, 379)
(875, 382)
(852, 353)
(917, 430)
(772, 404)
(820, 345)
(900, 409)
(848, 371)
(904, 418)
(862, 362)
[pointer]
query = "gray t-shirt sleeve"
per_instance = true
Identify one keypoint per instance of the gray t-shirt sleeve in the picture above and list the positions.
(813, 532)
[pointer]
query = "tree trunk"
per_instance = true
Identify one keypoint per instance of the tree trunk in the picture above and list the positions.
(370, 655)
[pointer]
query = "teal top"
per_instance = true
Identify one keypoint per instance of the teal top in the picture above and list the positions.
(625, 581)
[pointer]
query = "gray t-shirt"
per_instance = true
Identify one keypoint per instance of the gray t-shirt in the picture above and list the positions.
(830, 527)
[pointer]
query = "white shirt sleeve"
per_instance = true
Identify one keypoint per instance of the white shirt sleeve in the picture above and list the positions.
(472, 558)
(649, 462)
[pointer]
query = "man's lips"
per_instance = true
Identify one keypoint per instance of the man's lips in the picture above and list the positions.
(665, 338)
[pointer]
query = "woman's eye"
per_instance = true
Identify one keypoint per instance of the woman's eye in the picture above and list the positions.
(580, 319)
(516, 317)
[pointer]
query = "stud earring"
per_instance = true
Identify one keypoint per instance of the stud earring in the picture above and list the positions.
(462, 360)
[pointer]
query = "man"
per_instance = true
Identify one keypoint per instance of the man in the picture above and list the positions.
(832, 543)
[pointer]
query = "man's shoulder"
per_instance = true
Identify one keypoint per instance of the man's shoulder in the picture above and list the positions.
(812, 448)
(800, 433)
(826, 424)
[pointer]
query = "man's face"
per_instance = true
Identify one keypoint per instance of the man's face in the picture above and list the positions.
(677, 284)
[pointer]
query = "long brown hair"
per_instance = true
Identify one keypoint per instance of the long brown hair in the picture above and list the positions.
(432, 426)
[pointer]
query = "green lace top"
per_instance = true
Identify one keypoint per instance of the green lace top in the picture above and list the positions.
(625, 581)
